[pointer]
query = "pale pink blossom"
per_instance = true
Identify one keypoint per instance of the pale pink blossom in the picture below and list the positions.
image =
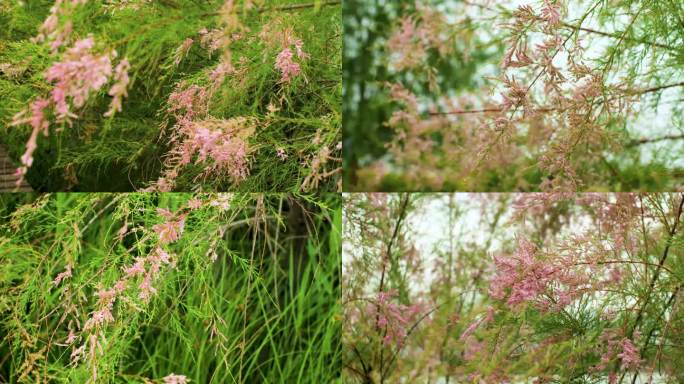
(77, 75)
(118, 90)
(394, 319)
(176, 379)
(169, 231)
(106, 295)
(165, 213)
(287, 67)
(630, 355)
(99, 318)
(146, 288)
(194, 203)
(70, 338)
(40, 125)
(551, 13)
(120, 286)
(136, 269)
(281, 153)
(77, 353)
(62, 275)
(299, 49)
(218, 74)
(182, 51)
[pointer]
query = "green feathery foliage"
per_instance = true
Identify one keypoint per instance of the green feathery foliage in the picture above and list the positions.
(265, 310)
(300, 118)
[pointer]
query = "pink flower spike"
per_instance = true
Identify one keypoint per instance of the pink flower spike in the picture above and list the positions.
(288, 68)
(118, 90)
(62, 275)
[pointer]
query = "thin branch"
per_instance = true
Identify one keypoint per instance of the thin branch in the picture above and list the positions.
(413, 327)
(286, 8)
(661, 264)
(616, 35)
(395, 233)
(669, 303)
(635, 92)
(647, 140)
(366, 369)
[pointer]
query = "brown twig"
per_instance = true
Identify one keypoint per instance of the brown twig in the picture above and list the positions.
(647, 140)
(286, 8)
(395, 233)
(616, 35)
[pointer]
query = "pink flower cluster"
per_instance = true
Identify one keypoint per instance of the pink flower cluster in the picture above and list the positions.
(520, 278)
(284, 61)
(551, 13)
(406, 45)
(51, 30)
(630, 355)
(393, 319)
(77, 75)
(222, 144)
(628, 352)
(171, 229)
(186, 104)
(550, 283)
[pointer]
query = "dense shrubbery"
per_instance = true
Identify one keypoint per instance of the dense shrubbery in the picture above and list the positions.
(132, 288)
(172, 95)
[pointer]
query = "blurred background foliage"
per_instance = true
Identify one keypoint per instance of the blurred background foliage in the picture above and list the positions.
(472, 67)
(366, 103)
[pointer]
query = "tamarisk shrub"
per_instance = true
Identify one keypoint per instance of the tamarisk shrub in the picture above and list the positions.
(513, 288)
(169, 288)
(548, 95)
(173, 95)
